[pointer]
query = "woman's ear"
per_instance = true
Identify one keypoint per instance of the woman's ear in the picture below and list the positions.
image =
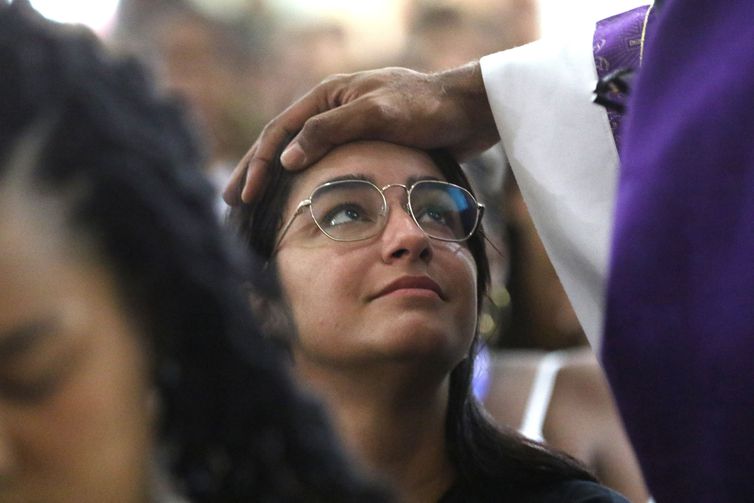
(273, 316)
(268, 303)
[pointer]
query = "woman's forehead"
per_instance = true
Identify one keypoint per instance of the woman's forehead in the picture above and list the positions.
(380, 162)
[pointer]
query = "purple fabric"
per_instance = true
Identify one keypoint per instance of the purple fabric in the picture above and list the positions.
(617, 44)
(679, 333)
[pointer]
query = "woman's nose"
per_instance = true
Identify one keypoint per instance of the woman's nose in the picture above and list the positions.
(402, 239)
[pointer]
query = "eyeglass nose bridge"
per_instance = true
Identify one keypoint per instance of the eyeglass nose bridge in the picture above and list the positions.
(391, 185)
(405, 205)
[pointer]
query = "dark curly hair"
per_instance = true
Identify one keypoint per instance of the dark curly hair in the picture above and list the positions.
(126, 166)
(491, 462)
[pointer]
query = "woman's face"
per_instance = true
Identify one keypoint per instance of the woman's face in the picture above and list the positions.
(370, 301)
(74, 417)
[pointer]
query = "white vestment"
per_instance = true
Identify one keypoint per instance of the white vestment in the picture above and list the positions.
(562, 152)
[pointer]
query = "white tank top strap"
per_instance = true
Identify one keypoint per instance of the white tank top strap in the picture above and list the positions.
(480, 383)
(541, 393)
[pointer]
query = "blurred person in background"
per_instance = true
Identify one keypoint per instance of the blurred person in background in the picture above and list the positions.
(538, 374)
(131, 369)
(234, 71)
(303, 52)
(445, 34)
(212, 63)
(561, 398)
(541, 315)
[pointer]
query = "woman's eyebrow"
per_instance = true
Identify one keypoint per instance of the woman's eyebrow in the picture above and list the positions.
(352, 176)
(19, 339)
(360, 176)
(413, 179)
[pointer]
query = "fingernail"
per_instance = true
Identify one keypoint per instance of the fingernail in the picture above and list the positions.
(293, 156)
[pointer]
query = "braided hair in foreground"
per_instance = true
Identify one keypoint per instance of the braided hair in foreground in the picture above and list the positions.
(123, 163)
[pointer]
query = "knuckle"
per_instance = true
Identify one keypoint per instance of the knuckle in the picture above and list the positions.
(334, 79)
(385, 109)
(314, 127)
(268, 129)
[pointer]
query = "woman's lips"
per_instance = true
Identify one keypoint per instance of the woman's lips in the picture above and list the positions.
(412, 286)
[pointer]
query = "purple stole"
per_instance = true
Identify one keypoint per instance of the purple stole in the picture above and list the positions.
(617, 44)
(678, 345)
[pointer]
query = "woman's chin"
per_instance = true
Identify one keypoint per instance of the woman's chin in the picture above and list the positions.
(421, 339)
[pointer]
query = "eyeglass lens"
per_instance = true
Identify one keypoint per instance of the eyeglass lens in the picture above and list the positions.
(348, 210)
(355, 209)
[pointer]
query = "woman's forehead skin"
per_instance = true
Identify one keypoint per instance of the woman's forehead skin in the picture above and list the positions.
(380, 161)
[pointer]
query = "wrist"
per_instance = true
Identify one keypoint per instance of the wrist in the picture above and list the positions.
(465, 98)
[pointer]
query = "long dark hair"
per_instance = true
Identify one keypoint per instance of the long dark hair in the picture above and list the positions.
(486, 457)
(126, 167)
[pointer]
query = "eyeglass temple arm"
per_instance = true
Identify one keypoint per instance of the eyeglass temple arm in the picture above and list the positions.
(303, 204)
(480, 215)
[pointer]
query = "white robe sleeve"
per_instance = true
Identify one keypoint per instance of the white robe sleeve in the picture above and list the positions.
(561, 149)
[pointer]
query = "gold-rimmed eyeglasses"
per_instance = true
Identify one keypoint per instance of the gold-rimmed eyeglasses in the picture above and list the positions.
(353, 210)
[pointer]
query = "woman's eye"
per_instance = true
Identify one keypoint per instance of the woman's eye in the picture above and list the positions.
(433, 215)
(28, 390)
(345, 214)
(35, 367)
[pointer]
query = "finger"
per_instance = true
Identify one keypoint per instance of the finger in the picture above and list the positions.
(237, 180)
(255, 164)
(291, 120)
(349, 122)
(254, 181)
(260, 159)
(268, 144)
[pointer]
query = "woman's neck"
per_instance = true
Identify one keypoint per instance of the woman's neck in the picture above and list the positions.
(392, 420)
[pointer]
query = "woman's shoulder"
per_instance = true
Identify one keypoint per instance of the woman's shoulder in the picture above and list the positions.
(567, 491)
(577, 491)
